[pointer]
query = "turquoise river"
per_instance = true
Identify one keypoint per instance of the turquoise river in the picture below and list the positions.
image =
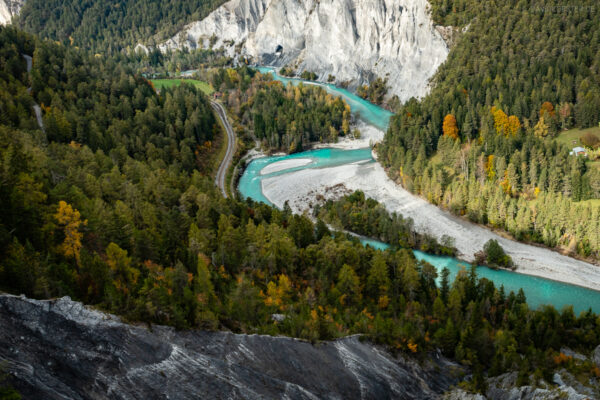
(539, 291)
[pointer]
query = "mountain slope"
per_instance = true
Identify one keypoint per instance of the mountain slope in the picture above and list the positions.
(60, 349)
(352, 40)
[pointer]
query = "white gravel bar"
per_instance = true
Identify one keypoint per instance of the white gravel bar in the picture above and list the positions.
(301, 188)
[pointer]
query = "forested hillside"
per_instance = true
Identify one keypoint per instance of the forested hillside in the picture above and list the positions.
(107, 26)
(482, 143)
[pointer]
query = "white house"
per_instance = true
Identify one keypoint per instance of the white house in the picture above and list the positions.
(578, 151)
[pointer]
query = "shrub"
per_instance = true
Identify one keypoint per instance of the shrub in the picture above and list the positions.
(495, 255)
(590, 140)
(309, 76)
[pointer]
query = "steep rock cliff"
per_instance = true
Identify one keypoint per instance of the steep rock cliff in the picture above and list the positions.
(61, 349)
(353, 40)
(9, 9)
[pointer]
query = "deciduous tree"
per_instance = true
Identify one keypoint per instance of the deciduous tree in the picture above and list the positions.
(449, 127)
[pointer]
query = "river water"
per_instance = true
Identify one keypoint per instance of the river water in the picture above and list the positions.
(539, 291)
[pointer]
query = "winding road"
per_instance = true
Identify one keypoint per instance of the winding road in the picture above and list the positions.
(36, 108)
(222, 172)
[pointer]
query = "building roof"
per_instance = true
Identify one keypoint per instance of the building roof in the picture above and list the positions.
(578, 150)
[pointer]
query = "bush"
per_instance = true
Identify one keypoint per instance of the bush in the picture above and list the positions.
(590, 140)
(495, 255)
(287, 71)
(309, 76)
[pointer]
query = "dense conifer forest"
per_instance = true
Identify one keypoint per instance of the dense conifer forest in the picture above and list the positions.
(482, 143)
(108, 26)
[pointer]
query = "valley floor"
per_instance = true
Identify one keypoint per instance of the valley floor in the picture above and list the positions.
(302, 187)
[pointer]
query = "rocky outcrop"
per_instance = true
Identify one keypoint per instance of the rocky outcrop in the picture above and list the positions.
(564, 386)
(596, 356)
(354, 41)
(460, 394)
(61, 349)
(9, 9)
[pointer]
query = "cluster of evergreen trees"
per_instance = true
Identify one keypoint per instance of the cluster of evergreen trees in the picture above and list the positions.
(481, 143)
(367, 217)
(282, 117)
(108, 26)
(374, 92)
(101, 104)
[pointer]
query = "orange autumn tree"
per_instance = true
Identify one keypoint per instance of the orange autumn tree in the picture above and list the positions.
(547, 110)
(449, 127)
(70, 219)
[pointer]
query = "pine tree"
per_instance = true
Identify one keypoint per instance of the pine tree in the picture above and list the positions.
(348, 286)
(378, 281)
(445, 285)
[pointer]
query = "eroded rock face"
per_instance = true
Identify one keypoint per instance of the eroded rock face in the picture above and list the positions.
(564, 386)
(9, 9)
(61, 349)
(596, 356)
(353, 40)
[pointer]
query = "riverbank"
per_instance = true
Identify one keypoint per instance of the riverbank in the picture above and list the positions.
(369, 135)
(311, 184)
(304, 188)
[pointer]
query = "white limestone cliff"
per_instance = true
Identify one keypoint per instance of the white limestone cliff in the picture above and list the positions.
(9, 9)
(353, 40)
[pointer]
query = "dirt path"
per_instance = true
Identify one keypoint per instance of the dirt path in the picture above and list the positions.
(36, 107)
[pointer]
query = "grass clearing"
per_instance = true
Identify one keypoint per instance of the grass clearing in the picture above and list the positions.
(571, 137)
(592, 202)
(167, 83)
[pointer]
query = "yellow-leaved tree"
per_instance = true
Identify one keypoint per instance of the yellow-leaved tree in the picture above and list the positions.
(449, 127)
(278, 294)
(489, 167)
(124, 275)
(504, 124)
(500, 120)
(541, 128)
(513, 125)
(70, 219)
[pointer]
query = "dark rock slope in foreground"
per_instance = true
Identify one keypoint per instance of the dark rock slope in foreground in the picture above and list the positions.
(61, 349)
